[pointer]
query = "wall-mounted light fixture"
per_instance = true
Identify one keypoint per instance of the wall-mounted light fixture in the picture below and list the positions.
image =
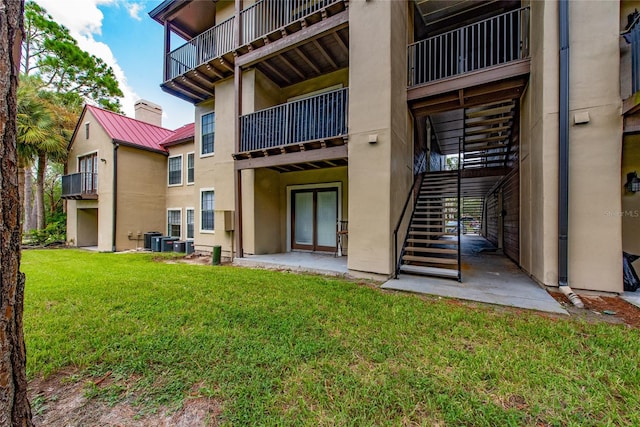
(103, 160)
(373, 139)
(633, 182)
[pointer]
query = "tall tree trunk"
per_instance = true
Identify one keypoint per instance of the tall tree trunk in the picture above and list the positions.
(14, 405)
(27, 200)
(40, 208)
(21, 178)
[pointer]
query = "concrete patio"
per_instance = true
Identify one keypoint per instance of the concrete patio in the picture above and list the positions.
(487, 276)
(304, 262)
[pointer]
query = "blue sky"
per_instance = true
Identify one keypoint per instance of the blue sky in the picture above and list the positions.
(125, 37)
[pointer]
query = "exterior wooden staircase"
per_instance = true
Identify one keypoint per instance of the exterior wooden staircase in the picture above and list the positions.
(432, 243)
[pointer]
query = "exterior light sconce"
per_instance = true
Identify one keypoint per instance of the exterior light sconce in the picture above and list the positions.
(373, 139)
(103, 160)
(633, 182)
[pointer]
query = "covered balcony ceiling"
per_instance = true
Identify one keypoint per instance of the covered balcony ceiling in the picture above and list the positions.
(325, 54)
(287, 45)
(187, 18)
(300, 51)
(438, 16)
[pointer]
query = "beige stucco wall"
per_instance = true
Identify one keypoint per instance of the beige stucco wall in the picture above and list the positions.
(181, 196)
(225, 9)
(99, 142)
(223, 174)
(141, 195)
(216, 172)
(378, 173)
(594, 236)
(203, 173)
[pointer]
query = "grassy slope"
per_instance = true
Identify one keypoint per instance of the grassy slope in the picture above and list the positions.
(279, 348)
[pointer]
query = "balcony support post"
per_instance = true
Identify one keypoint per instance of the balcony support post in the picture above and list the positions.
(167, 49)
(237, 79)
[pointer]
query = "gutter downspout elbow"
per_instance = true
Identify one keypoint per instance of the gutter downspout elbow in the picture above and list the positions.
(563, 166)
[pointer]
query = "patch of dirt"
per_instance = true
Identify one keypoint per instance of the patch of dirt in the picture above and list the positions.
(61, 401)
(608, 309)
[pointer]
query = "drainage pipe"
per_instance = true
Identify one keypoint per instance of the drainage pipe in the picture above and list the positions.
(563, 169)
(115, 195)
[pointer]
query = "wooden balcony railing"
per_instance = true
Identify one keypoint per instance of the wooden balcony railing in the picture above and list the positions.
(213, 43)
(81, 185)
(318, 117)
(494, 41)
(266, 16)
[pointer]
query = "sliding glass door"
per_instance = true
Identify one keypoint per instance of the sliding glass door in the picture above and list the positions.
(314, 215)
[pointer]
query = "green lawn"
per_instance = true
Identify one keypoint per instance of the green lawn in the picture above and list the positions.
(286, 349)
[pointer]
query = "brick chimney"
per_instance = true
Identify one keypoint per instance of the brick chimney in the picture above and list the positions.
(148, 112)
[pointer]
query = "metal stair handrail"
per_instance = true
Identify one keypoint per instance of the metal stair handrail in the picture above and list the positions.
(397, 257)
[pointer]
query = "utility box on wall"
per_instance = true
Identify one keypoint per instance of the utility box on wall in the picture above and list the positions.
(228, 220)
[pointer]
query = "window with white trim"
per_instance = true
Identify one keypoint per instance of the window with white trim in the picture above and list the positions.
(207, 203)
(175, 170)
(208, 122)
(174, 223)
(190, 223)
(190, 168)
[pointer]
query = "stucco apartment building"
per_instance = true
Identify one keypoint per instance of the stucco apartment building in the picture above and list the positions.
(126, 177)
(314, 114)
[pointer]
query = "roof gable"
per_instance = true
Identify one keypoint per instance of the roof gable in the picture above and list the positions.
(135, 132)
(185, 133)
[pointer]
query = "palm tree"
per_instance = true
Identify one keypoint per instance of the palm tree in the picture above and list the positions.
(40, 137)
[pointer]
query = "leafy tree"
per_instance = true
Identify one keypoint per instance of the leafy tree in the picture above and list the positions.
(60, 76)
(14, 404)
(45, 121)
(50, 52)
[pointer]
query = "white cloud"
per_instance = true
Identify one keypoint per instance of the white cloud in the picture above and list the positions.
(84, 20)
(134, 10)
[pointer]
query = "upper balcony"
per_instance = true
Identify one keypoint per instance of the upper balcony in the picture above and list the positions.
(311, 131)
(80, 186)
(287, 40)
(487, 59)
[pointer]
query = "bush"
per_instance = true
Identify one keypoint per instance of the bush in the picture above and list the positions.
(54, 232)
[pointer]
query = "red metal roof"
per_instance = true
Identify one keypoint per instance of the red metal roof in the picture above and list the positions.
(132, 131)
(182, 134)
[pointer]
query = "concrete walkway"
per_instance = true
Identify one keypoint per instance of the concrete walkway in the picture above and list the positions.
(632, 297)
(486, 277)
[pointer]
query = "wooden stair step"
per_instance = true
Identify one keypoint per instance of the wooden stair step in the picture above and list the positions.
(487, 130)
(431, 250)
(429, 271)
(453, 188)
(428, 207)
(433, 241)
(429, 233)
(428, 227)
(430, 260)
